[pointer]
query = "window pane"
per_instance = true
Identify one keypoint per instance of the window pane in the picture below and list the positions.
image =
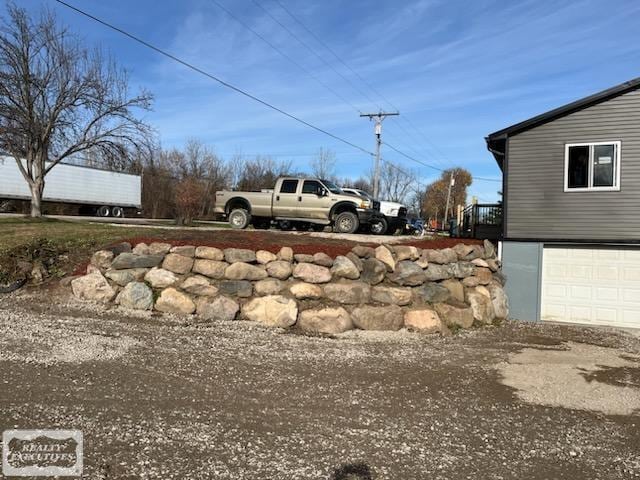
(578, 173)
(289, 186)
(604, 157)
(310, 186)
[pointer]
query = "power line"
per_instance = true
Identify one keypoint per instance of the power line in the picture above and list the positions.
(435, 168)
(212, 77)
(330, 50)
(354, 72)
(283, 54)
(306, 45)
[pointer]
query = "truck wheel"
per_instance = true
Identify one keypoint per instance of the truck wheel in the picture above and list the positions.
(346, 222)
(103, 211)
(285, 225)
(117, 212)
(239, 218)
(379, 226)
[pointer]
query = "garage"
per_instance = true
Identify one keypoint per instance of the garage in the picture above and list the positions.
(589, 285)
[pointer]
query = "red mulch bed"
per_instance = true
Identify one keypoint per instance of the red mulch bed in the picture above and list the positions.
(273, 241)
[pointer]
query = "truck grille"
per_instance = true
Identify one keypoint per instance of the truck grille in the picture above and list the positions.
(376, 205)
(402, 212)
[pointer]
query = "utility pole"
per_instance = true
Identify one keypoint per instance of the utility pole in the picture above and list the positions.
(452, 182)
(378, 118)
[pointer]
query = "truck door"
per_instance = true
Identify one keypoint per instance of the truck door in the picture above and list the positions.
(285, 200)
(312, 204)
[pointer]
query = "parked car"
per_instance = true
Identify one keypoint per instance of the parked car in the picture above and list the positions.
(300, 203)
(88, 190)
(394, 215)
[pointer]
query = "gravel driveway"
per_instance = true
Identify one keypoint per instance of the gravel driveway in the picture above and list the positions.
(158, 398)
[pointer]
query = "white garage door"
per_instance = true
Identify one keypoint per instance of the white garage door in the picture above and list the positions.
(599, 286)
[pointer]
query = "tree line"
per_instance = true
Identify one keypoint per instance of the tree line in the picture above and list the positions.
(63, 102)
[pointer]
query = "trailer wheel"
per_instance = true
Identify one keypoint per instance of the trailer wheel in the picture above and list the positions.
(103, 211)
(346, 222)
(117, 212)
(239, 218)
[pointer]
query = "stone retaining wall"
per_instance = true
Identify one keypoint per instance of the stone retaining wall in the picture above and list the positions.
(386, 288)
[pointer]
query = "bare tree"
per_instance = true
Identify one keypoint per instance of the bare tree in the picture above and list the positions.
(395, 182)
(262, 172)
(58, 99)
(323, 165)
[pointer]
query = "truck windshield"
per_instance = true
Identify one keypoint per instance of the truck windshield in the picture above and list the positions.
(333, 188)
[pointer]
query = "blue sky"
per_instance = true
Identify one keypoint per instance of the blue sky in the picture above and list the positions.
(457, 70)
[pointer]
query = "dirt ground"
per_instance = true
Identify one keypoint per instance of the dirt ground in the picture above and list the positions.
(158, 398)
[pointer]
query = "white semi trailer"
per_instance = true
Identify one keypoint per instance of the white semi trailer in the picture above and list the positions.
(90, 190)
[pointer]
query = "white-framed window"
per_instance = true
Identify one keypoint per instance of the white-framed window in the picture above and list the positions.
(592, 166)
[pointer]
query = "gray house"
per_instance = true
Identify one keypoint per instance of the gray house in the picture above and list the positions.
(571, 227)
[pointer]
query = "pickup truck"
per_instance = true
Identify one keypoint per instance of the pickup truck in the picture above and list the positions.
(393, 214)
(301, 203)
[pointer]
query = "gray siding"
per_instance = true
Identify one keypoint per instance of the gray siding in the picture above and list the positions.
(537, 206)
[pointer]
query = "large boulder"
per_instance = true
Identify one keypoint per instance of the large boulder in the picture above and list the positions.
(435, 272)
(345, 268)
(272, 310)
(102, 259)
(137, 296)
(484, 275)
(391, 295)
(431, 293)
(118, 248)
(220, 308)
(175, 301)
(177, 263)
(378, 318)
(233, 255)
(311, 273)
(268, 286)
(264, 256)
(285, 254)
(480, 262)
(386, 256)
(489, 249)
(210, 253)
(325, 320)
(237, 288)
(407, 273)
(184, 250)
(279, 269)
(210, 268)
(93, 287)
(131, 260)
(459, 315)
(373, 271)
(424, 320)
(351, 293)
(141, 249)
(303, 258)
(199, 285)
(356, 260)
(122, 277)
(304, 291)
(423, 260)
(323, 259)
(161, 278)
(363, 251)
(463, 250)
(456, 289)
(481, 306)
(441, 257)
(159, 248)
(406, 252)
(499, 300)
(245, 271)
(462, 269)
